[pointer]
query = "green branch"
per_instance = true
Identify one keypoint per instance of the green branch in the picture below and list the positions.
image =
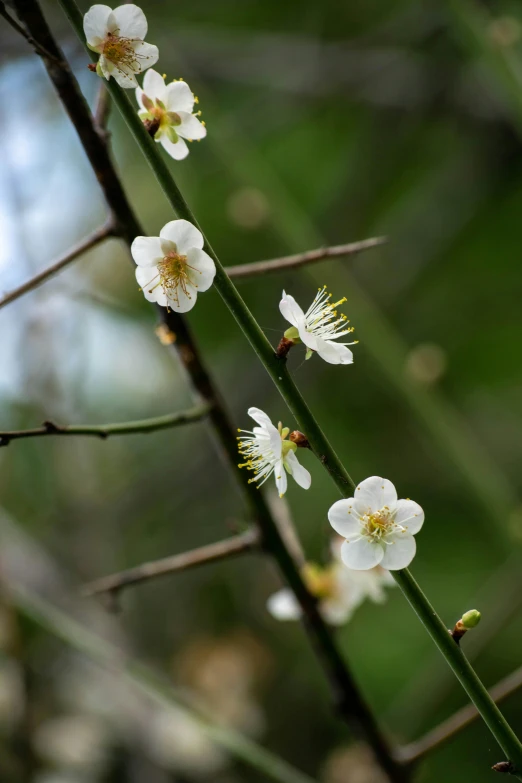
(319, 443)
(106, 430)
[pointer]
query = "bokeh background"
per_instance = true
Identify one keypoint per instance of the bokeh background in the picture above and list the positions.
(326, 123)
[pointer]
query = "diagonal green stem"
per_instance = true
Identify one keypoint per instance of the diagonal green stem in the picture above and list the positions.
(307, 422)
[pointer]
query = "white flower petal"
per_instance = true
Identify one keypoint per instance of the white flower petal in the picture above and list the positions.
(146, 251)
(283, 605)
(139, 97)
(178, 150)
(309, 339)
(204, 269)
(333, 353)
(125, 79)
(183, 301)
(154, 85)
(95, 24)
(336, 612)
(260, 416)
(361, 554)
(183, 234)
(106, 67)
(149, 282)
(179, 97)
(290, 309)
(280, 478)
(344, 519)
(191, 127)
(300, 474)
(409, 515)
(399, 551)
(374, 493)
(131, 21)
(147, 54)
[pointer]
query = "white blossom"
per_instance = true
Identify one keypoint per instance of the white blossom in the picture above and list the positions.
(320, 326)
(340, 590)
(171, 106)
(377, 528)
(173, 268)
(267, 451)
(118, 38)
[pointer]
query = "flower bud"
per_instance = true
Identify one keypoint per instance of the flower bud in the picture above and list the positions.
(470, 619)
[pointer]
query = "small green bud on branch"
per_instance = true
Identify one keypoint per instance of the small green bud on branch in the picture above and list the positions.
(468, 621)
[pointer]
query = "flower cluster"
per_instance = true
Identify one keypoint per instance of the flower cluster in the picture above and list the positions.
(377, 528)
(165, 109)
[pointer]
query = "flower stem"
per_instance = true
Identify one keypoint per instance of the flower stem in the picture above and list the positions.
(320, 445)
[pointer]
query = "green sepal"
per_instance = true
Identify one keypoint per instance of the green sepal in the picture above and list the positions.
(172, 135)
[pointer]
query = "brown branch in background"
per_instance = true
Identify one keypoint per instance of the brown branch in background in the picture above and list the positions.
(102, 110)
(242, 271)
(105, 231)
(302, 259)
(104, 431)
(460, 720)
(222, 550)
(42, 51)
(348, 700)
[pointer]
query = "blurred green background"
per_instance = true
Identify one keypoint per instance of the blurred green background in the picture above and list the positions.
(326, 124)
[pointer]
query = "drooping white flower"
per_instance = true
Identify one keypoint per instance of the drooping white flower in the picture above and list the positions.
(171, 106)
(320, 326)
(173, 268)
(377, 528)
(118, 38)
(340, 590)
(267, 451)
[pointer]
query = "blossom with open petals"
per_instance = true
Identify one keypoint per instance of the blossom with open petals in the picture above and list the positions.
(319, 327)
(173, 268)
(118, 38)
(377, 528)
(340, 590)
(169, 108)
(267, 451)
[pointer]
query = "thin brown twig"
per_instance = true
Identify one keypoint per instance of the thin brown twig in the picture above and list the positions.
(242, 271)
(221, 550)
(348, 699)
(105, 231)
(23, 32)
(104, 431)
(414, 751)
(302, 259)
